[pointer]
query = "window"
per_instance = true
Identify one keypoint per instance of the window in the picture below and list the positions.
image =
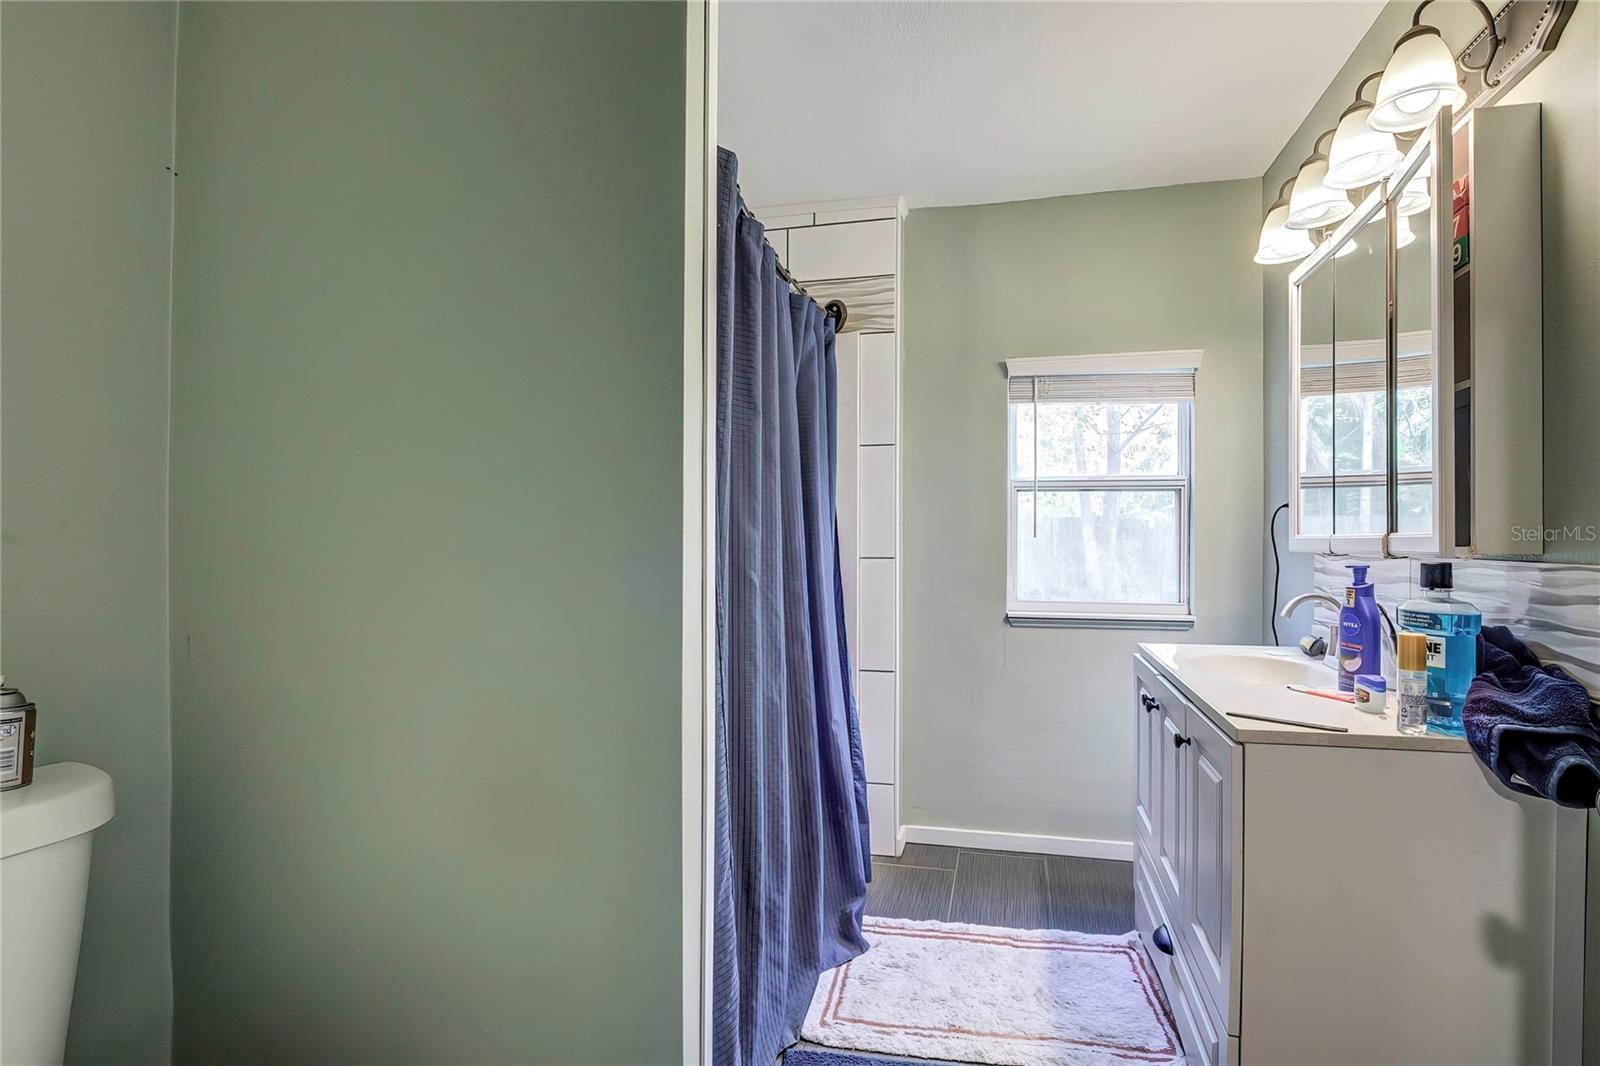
(1100, 472)
(1344, 454)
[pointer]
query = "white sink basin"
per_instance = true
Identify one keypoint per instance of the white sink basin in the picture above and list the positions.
(1241, 687)
(1266, 666)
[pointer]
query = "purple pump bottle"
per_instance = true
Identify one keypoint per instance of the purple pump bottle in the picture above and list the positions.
(1360, 640)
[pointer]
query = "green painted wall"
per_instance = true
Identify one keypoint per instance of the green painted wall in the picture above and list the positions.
(426, 532)
(87, 212)
(1026, 730)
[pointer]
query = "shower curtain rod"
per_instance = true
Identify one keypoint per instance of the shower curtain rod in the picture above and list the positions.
(834, 309)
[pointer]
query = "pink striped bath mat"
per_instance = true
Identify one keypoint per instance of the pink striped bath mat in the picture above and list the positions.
(1008, 997)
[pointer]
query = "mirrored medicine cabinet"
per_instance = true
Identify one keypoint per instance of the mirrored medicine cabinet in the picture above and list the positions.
(1416, 353)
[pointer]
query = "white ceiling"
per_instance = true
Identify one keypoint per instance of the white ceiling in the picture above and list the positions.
(961, 103)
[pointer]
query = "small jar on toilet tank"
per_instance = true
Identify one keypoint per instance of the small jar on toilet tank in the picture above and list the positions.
(17, 718)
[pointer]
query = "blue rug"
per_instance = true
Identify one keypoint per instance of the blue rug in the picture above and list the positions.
(817, 1055)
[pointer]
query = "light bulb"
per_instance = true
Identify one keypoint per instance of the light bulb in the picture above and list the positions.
(1313, 204)
(1360, 155)
(1413, 198)
(1280, 244)
(1419, 80)
(1403, 233)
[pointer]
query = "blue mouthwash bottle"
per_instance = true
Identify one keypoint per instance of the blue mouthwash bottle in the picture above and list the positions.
(1450, 627)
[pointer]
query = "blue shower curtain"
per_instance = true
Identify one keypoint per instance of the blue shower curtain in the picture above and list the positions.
(791, 818)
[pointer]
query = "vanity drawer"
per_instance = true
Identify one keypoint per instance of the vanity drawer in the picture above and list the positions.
(1205, 1039)
(1149, 913)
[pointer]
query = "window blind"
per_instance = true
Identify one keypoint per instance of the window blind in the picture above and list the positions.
(1414, 371)
(1161, 387)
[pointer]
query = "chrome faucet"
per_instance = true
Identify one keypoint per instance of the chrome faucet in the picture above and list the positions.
(1386, 634)
(1296, 601)
(1314, 647)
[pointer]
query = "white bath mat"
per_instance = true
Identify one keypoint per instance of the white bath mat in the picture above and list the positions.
(1010, 997)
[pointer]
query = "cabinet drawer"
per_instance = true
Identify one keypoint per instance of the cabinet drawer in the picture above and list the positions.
(1149, 912)
(1205, 1041)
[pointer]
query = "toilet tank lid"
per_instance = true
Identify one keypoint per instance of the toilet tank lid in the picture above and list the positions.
(65, 800)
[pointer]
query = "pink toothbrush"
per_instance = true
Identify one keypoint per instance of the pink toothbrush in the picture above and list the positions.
(1342, 697)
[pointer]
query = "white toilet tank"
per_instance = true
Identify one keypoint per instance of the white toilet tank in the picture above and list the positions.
(45, 831)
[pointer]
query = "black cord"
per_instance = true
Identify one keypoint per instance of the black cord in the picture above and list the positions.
(1277, 568)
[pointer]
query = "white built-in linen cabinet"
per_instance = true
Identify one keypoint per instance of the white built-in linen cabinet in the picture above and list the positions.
(1320, 898)
(851, 251)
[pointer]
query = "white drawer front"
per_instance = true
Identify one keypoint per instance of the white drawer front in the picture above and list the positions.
(1204, 1041)
(1150, 914)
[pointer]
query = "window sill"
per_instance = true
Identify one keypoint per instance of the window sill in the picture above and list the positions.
(1040, 620)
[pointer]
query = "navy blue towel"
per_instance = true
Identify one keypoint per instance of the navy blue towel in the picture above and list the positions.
(1532, 725)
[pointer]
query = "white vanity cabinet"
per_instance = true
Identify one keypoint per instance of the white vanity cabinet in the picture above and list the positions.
(1185, 898)
(1362, 897)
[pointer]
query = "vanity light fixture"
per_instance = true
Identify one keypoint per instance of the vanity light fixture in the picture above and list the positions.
(1361, 155)
(1278, 243)
(1313, 204)
(1403, 233)
(1421, 75)
(1413, 198)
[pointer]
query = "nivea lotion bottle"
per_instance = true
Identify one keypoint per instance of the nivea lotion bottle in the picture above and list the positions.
(1360, 642)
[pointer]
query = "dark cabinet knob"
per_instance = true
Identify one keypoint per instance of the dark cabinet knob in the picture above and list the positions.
(1162, 939)
(1148, 701)
(1178, 740)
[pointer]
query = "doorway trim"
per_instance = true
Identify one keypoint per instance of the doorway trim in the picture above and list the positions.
(699, 523)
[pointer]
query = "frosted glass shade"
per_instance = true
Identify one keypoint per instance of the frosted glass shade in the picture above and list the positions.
(1419, 80)
(1413, 198)
(1312, 203)
(1360, 155)
(1403, 233)
(1279, 243)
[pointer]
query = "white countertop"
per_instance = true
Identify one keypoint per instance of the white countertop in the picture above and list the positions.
(1189, 668)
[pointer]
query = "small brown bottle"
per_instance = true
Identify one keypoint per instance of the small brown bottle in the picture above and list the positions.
(17, 719)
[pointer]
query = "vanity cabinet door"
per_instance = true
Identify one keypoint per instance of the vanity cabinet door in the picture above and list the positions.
(1147, 723)
(1172, 782)
(1210, 845)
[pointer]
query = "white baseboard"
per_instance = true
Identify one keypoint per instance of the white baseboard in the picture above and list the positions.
(1035, 843)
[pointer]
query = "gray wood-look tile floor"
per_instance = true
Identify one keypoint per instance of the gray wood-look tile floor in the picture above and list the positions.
(1003, 888)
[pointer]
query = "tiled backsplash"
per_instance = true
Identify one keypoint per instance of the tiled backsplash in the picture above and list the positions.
(1555, 608)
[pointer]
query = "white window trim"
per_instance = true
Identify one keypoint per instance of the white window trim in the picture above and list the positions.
(1066, 615)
